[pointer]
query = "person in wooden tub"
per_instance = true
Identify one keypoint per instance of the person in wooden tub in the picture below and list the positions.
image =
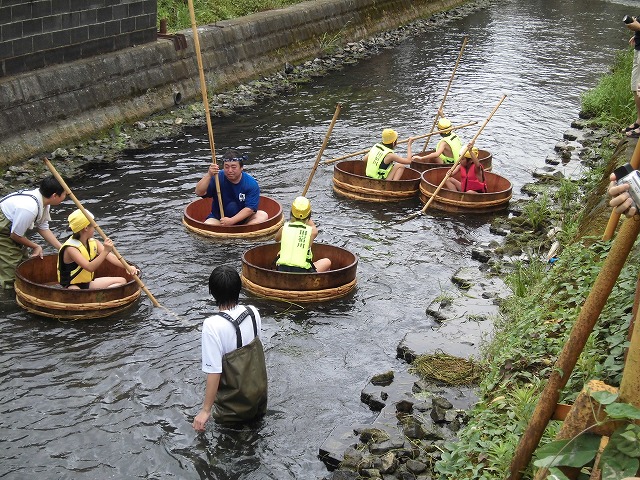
(240, 192)
(448, 148)
(81, 255)
(296, 237)
(471, 174)
(382, 161)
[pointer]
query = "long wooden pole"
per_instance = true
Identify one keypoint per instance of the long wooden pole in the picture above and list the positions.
(462, 152)
(98, 229)
(205, 100)
(446, 92)
(574, 345)
(324, 145)
(614, 218)
(362, 152)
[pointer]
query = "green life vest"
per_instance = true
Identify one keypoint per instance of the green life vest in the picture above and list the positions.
(456, 145)
(295, 245)
(376, 168)
(72, 273)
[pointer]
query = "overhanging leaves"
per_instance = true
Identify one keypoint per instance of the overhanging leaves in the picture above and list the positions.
(568, 453)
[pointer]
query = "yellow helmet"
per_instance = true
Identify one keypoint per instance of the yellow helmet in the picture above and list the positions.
(468, 153)
(444, 125)
(301, 208)
(389, 136)
(77, 220)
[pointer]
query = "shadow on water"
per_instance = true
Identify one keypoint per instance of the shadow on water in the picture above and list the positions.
(116, 397)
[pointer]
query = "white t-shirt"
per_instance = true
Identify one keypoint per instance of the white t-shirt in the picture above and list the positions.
(22, 211)
(219, 337)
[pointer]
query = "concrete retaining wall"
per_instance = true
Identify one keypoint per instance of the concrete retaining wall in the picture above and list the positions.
(37, 34)
(62, 104)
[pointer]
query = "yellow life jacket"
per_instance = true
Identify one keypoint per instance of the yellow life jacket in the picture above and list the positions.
(376, 168)
(295, 245)
(72, 273)
(455, 144)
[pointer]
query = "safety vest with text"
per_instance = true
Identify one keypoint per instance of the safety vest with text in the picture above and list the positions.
(295, 245)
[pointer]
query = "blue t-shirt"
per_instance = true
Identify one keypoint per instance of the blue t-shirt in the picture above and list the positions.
(235, 197)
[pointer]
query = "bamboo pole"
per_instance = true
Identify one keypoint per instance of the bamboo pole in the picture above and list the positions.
(446, 92)
(578, 337)
(630, 384)
(363, 152)
(461, 154)
(615, 217)
(205, 100)
(324, 145)
(98, 229)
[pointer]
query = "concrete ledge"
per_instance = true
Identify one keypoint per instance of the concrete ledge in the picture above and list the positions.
(47, 108)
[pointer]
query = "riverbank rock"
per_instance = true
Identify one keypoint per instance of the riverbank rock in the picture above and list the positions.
(416, 415)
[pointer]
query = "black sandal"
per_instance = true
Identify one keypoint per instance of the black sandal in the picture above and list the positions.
(635, 133)
(632, 127)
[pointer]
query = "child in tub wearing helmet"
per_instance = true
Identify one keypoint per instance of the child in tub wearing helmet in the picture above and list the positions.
(471, 173)
(382, 161)
(81, 255)
(448, 149)
(296, 237)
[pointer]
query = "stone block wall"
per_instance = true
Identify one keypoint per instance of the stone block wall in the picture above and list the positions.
(40, 33)
(55, 106)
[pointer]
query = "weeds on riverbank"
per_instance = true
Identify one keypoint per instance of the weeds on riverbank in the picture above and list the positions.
(610, 103)
(208, 11)
(536, 320)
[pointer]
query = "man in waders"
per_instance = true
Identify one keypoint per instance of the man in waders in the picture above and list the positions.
(232, 356)
(22, 211)
(382, 161)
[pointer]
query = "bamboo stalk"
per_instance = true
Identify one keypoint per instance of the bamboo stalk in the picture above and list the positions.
(324, 145)
(446, 92)
(461, 154)
(205, 100)
(574, 345)
(614, 218)
(98, 229)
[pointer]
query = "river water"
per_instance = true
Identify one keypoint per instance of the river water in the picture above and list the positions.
(115, 398)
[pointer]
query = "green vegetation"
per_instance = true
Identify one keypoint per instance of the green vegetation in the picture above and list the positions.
(209, 11)
(620, 458)
(610, 103)
(536, 320)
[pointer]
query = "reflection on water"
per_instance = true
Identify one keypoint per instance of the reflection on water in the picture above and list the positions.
(115, 398)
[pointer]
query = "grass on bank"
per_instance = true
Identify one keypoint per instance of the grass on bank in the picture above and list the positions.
(535, 321)
(209, 11)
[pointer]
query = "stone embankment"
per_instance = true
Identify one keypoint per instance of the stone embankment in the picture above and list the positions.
(131, 138)
(54, 106)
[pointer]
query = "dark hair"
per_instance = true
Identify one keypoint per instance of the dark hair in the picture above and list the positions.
(49, 186)
(224, 286)
(234, 156)
(391, 145)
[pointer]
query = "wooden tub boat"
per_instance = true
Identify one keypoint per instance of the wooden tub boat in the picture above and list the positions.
(496, 199)
(38, 291)
(197, 211)
(349, 180)
(485, 157)
(260, 277)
